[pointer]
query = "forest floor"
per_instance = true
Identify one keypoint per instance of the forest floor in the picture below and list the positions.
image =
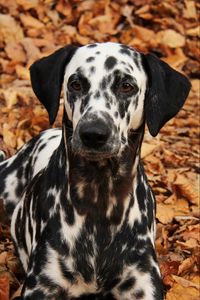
(169, 29)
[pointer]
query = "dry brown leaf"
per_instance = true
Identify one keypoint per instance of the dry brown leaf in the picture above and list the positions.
(187, 189)
(184, 289)
(10, 97)
(190, 11)
(65, 9)
(185, 283)
(170, 38)
(10, 30)
(144, 34)
(4, 287)
(165, 213)
(147, 149)
(127, 12)
(15, 52)
(9, 137)
(22, 72)
(27, 4)
(194, 31)
(190, 244)
(104, 24)
(177, 59)
(193, 232)
(29, 21)
(32, 52)
(186, 265)
(3, 258)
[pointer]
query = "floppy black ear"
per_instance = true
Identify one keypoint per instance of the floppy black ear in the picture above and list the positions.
(47, 77)
(167, 92)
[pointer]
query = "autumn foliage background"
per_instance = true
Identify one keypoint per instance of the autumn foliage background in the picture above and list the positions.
(169, 29)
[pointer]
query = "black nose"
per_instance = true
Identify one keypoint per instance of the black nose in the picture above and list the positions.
(94, 134)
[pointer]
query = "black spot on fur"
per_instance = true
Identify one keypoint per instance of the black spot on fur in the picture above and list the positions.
(127, 284)
(121, 109)
(127, 70)
(141, 195)
(46, 281)
(116, 114)
(31, 282)
(97, 95)
(92, 46)
(9, 207)
(108, 105)
(110, 62)
(108, 98)
(66, 273)
(36, 295)
(139, 294)
(19, 189)
(128, 118)
(92, 69)
(84, 102)
(98, 52)
(90, 59)
(131, 68)
(136, 58)
(103, 84)
(123, 139)
(136, 102)
(125, 50)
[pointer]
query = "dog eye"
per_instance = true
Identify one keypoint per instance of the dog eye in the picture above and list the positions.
(75, 85)
(126, 87)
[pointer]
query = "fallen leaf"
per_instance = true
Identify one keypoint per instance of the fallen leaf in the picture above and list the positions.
(147, 149)
(26, 4)
(10, 96)
(194, 31)
(22, 72)
(186, 265)
(184, 282)
(15, 52)
(165, 213)
(9, 136)
(4, 287)
(170, 38)
(178, 292)
(10, 30)
(187, 189)
(190, 11)
(144, 34)
(29, 21)
(3, 258)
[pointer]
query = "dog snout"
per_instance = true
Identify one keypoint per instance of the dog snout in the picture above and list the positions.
(94, 134)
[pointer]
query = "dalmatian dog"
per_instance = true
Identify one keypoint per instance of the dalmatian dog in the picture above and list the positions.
(84, 222)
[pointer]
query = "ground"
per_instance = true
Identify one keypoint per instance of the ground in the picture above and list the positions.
(169, 29)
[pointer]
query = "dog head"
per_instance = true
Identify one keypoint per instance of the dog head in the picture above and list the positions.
(109, 90)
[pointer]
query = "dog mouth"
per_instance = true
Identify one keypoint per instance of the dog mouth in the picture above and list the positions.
(92, 155)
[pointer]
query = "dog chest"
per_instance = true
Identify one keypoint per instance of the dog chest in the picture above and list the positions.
(90, 257)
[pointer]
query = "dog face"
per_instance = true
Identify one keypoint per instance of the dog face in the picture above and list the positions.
(109, 90)
(104, 88)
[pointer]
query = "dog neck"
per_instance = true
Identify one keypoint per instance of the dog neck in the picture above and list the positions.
(99, 188)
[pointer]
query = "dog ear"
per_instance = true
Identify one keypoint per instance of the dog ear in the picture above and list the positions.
(47, 77)
(166, 93)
